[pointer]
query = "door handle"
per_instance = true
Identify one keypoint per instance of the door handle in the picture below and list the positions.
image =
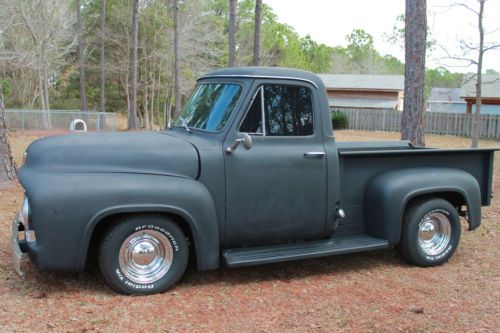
(315, 154)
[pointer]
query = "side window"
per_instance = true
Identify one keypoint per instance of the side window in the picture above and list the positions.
(288, 110)
(253, 119)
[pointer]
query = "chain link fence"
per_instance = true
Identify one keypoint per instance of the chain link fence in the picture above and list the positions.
(27, 120)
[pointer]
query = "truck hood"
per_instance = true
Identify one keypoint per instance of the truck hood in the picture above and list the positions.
(128, 152)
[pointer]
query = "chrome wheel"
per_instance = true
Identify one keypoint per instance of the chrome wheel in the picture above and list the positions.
(146, 256)
(434, 233)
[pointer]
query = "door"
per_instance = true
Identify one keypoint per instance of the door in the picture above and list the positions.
(277, 190)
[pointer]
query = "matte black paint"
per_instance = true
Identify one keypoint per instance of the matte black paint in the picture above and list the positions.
(388, 193)
(270, 194)
(284, 252)
(130, 152)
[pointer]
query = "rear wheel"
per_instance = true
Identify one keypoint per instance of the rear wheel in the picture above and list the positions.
(431, 233)
(143, 254)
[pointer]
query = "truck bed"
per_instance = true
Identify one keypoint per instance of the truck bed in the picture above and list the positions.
(354, 158)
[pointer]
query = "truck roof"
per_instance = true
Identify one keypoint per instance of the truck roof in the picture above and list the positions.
(267, 72)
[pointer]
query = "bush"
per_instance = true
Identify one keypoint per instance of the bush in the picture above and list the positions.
(339, 120)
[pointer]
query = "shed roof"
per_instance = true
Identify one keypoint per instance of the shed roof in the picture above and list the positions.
(445, 95)
(490, 87)
(363, 81)
(363, 103)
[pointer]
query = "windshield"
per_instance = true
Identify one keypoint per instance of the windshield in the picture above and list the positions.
(209, 106)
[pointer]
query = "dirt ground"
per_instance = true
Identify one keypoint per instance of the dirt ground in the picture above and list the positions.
(369, 292)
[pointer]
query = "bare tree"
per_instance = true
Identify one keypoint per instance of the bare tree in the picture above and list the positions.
(476, 131)
(415, 45)
(81, 63)
(257, 34)
(198, 54)
(7, 165)
(38, 40)
(42, 33)
(102, 78)
(232, 33)
(132, 115)
(480, 49)
(177, 97)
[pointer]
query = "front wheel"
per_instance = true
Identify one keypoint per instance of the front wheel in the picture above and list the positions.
(143, 254)
(431, 233)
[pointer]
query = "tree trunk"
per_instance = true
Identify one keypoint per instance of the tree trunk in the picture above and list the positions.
(167, 106)
(7, 165)
(127, 90)
(43, 92)
(476, 130)
(153, 80)
(40, 88)
(81, 64)
(232, 33)
(169, 110)
(256, 36)
(102, 78)
(165, 123)
(415, 44)
(132, 115)
(46, 85)
(152, 102)
(145, 94)
(140, 118)
(48, 118)
(177, 97)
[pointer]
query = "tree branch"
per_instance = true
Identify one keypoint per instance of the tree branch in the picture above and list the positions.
(491, 47)
(468, 78)
(458, 58)
(459, 4)
(466, 46)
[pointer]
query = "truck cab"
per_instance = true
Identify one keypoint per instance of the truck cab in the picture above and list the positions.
(275, 115)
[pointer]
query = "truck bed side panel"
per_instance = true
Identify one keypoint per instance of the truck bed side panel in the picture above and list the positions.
(357, 168)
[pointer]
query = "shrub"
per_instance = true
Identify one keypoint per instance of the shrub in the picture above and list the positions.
(339, 120)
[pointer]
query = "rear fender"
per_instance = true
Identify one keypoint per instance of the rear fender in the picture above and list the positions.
(388, 194)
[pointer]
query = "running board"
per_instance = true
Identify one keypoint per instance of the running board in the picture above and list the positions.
(285, 252)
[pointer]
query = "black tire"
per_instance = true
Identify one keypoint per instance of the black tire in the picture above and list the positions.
(420, 221)
(150, 236)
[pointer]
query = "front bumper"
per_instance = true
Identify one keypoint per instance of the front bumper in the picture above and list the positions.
(17, 253)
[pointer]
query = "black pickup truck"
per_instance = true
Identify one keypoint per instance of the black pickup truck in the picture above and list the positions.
(250, 173)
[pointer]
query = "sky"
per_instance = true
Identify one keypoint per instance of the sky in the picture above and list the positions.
(329, 21)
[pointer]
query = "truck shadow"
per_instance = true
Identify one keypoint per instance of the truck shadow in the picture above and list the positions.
(336, 266)
(41, 284)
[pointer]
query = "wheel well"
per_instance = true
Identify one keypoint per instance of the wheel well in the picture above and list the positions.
(455, 198)
(103, 225)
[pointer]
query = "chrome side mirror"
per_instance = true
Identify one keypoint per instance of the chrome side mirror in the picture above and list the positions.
(245, 140)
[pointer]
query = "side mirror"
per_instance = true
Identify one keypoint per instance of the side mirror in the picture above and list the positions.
(245, 140)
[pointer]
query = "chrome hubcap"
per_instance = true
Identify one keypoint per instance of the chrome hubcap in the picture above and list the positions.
(146, 256)
(434, 233)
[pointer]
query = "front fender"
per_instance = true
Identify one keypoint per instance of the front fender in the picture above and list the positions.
(67, 207)
(388, 193)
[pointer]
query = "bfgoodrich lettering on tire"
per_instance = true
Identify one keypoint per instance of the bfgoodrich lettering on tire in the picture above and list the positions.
(143, 254)
(431, 233)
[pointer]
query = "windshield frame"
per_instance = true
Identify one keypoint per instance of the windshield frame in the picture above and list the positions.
(237, 105)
